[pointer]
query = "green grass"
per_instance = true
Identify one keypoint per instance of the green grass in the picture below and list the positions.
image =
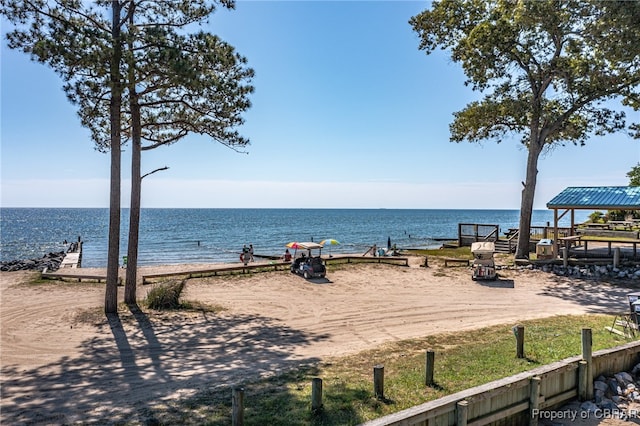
(462, 360)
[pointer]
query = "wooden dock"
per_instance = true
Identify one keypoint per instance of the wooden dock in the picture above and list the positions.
(73, 257)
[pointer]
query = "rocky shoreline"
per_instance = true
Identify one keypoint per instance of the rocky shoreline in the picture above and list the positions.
(50, 262)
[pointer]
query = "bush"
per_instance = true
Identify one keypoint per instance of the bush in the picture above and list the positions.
(596, 217)
(166, 295)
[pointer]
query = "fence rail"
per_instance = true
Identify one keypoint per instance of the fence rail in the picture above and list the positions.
(473, 232)
(245, 269)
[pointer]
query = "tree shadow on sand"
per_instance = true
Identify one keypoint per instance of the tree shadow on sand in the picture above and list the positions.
(277, 400)
(133, 366)
(597, 296)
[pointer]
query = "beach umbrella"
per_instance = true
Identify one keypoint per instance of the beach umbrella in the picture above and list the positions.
(329, 242)
(295, 246)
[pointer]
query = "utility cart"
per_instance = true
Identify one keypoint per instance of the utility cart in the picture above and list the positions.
(484, 267)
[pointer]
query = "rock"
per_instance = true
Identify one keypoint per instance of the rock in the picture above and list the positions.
(51, 261)
(600, 385)
(614, 388)
(589, 406)
(623, 378)
(608, 404)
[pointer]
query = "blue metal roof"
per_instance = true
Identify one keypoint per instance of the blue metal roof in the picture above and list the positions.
(598, 197)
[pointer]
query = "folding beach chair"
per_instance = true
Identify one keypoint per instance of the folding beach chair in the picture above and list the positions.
(627, 322)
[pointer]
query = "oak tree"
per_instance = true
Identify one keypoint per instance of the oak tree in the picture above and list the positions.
(551, 72)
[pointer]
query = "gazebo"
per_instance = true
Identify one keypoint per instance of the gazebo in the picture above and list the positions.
(591, 198)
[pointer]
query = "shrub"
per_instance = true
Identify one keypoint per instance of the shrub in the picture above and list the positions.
(596, 217)
(166, 295)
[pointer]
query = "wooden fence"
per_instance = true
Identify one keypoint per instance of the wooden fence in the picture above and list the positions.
(259, 267)
(473, 232)
(517, 399)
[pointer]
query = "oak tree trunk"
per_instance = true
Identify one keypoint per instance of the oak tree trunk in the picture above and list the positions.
(526, 204)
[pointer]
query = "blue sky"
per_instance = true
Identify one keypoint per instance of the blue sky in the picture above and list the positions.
(347, 113)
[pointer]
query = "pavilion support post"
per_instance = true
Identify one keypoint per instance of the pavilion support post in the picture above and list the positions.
(555, 233)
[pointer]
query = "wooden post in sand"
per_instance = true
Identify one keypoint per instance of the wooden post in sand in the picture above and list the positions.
(616, 257)
(378, 381)
(237, 406)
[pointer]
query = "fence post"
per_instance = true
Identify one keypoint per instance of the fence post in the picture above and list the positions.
(565, 257)
(616, 257)
(430, 365)
(534, 400)
(316, 394)
(582, 380)
(586, 355)
(378, 381)
(462, 410)
(518, 330)
(237, 406)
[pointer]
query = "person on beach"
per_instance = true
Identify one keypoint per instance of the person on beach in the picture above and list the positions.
(287, 256)
(374, 250)
(244, 256)
(250, 252)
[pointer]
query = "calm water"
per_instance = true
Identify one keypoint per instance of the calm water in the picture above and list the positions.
(170, 236)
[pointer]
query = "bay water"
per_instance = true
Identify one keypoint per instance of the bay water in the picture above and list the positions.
(175, 236)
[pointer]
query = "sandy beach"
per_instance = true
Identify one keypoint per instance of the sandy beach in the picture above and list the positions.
(60, 367)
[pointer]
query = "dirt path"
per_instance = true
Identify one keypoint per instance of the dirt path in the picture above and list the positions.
(57, 369)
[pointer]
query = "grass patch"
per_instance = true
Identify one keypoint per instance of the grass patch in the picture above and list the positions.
(463, 360)
(166, 295)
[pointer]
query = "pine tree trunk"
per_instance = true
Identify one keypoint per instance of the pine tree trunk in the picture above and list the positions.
(134, 214)
(136, 176)
(113, 257)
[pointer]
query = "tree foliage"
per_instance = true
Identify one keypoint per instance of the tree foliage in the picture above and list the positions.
(550, 72)
(82, 42)
(139, 73)
(178, 83)
(634, 175)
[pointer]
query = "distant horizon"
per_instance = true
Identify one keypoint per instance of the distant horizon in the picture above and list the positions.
(282, 208)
